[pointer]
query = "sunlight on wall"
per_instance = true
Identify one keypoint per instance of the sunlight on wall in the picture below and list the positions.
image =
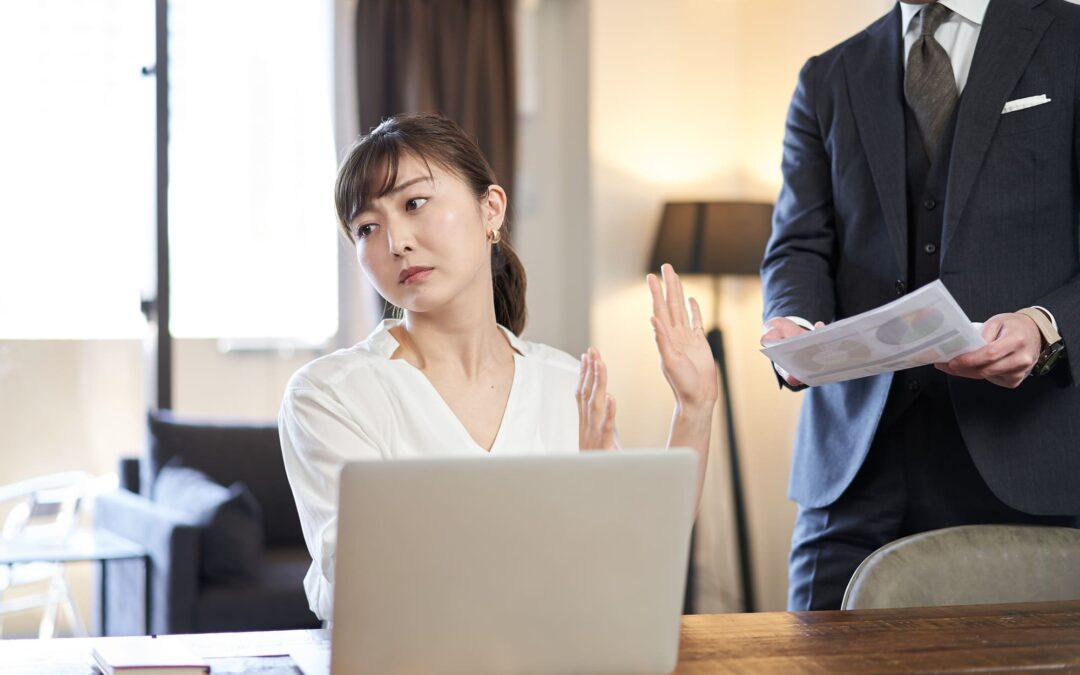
(692, 107)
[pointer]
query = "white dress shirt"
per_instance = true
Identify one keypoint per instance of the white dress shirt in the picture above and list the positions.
(957, 34)
(359, 404)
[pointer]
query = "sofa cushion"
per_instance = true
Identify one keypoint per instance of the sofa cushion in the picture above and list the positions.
(229, 520)
(273, 600)
(228, 452)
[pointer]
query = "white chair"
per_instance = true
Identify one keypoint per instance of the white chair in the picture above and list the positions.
(45, 516)
(970, 565)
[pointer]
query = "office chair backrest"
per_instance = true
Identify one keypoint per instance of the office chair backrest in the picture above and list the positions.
(970, 565)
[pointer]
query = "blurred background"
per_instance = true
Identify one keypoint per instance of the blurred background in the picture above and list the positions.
(616, 107)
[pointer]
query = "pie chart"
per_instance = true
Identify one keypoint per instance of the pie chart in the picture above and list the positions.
(839, 354)
(910, 327)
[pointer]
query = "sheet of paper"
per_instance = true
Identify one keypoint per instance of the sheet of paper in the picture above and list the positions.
(925, 326)
(311, 659)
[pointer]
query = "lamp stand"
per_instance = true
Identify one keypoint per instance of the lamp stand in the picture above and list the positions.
(715, 338)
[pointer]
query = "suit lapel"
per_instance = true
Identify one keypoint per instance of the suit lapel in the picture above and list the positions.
(1011, 30)
(874, 74)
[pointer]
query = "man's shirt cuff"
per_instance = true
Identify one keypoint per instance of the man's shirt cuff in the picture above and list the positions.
(802, 323)
(1049, 315)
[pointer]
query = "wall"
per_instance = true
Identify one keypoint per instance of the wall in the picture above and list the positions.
(550, 216)
(68, 404)
(71, 404)
(688, 100)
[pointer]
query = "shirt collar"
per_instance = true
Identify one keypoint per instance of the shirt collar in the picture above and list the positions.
(971, 10)
(381, 342)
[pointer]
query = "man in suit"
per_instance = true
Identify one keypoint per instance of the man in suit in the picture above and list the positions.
(942, 142)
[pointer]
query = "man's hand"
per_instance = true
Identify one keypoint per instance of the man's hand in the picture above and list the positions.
(781, 328)
(1013, 344)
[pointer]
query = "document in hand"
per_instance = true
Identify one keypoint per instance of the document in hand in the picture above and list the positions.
(146, 656)
(926, 326)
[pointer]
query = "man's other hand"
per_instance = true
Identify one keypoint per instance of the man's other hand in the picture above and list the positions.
(1013, 344)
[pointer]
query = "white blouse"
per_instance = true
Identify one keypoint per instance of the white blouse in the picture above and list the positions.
(358, 404)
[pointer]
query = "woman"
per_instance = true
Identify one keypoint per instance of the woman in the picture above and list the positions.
(451, 377)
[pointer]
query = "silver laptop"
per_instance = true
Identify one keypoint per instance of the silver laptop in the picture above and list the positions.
(553, 564)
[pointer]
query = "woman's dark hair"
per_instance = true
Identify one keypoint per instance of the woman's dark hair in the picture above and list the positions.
(370, 168)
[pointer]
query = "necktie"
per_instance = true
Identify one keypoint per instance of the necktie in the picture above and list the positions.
(929, 84)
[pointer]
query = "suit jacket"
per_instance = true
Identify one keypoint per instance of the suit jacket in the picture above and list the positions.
(1010, 239)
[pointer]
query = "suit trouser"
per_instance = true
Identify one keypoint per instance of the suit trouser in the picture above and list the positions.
(917, 476)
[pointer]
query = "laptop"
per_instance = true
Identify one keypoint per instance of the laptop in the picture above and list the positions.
(544, 564)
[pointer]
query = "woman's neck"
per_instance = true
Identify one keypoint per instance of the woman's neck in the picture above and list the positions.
(470, 342)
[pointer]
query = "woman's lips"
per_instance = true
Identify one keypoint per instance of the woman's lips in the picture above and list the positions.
(412, 275)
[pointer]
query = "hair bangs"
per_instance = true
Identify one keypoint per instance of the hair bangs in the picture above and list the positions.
(369, 172)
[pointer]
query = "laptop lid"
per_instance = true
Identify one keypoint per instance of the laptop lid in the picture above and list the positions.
(553, 564)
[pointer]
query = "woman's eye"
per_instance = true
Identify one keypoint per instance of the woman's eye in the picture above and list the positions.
(415, 203)
(364, 230)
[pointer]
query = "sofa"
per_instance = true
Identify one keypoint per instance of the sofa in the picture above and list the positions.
(211, 504)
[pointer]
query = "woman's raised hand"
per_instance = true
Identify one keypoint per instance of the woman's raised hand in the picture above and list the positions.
(596, 407)
(685, 357)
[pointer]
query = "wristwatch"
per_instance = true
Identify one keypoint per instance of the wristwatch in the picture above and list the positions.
(1054, 347)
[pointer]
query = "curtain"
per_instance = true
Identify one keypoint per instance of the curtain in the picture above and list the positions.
(455, 57)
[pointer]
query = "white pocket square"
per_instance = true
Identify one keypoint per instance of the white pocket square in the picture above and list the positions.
(1021, 103)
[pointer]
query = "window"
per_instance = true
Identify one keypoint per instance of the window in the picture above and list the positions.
(76, 167)
(252, 230)
(252, 234)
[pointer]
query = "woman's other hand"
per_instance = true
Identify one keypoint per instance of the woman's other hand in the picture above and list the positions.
(596, 407)
(685, 357)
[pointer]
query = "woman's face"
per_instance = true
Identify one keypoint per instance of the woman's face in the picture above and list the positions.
(424, 242)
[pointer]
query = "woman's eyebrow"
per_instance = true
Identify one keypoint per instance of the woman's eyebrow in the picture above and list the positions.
(412, 181)
(396, 189)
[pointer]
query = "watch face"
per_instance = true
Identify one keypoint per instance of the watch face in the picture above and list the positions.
(1049, 358)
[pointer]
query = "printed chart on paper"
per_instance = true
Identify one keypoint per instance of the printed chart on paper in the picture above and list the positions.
(926, 326)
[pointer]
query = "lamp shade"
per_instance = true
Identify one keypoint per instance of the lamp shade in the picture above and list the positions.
(713, 237)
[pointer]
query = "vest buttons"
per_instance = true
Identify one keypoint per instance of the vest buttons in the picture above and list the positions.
(901, 288)
(930, 249)
(913, 385)
(929, 204)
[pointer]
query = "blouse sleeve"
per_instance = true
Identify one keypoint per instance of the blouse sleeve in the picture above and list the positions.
(318, 435)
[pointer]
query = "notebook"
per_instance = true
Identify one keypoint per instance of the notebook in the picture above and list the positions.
(569, 563)
(146, 656)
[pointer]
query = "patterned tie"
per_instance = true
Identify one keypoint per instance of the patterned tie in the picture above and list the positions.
(929, 84)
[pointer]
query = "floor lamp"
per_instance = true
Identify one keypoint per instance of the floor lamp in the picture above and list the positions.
(716, 239)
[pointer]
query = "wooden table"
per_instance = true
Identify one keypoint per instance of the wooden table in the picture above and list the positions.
(985, 638)
(980, 638)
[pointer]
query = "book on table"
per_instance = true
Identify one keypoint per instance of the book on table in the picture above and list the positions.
(146, 656)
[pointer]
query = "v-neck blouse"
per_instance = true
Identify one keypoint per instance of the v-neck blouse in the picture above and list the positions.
(359, 404)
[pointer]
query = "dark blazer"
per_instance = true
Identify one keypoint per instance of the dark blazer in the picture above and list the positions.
(1009, 240)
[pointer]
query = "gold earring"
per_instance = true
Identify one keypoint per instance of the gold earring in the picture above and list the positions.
(494, 236)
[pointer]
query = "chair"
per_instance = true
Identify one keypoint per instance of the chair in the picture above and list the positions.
(45, 516)
(183, 597)
(970, 565)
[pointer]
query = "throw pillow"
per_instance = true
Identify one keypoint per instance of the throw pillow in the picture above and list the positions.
(229, 518)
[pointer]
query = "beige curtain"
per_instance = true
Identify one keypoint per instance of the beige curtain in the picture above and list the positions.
(455, 57)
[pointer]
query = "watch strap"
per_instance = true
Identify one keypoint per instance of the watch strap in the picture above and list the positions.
(1050, 334)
